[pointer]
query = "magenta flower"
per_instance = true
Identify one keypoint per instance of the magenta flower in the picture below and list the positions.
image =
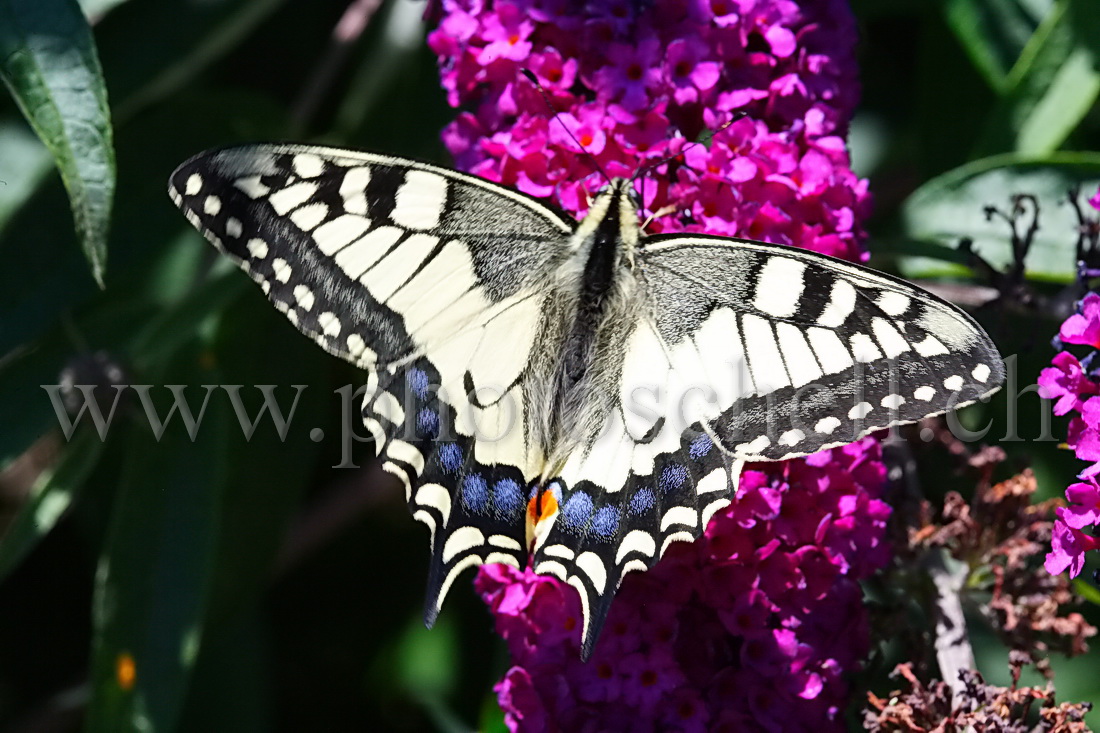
(1068, 547)
(1066, 381)
(1084, 327)
(1076, 392)
(758, 623)
(1084, 508)
(687, 73)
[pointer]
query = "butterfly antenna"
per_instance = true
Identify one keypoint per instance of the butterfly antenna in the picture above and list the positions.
(707, 137)
(653, 165)
(554, 114)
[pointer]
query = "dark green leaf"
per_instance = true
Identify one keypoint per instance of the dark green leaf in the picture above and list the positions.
(50, 65)
(154, 578)
(952, 206)
(172, 43)
(1052, 86)
(993, 32)
(52, 494)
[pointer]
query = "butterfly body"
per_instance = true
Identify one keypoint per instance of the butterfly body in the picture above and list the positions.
(576, 395)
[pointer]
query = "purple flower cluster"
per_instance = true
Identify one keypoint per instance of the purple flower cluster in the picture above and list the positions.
(1075, 387)
(753, 626)
(635, 81)
(750, 628)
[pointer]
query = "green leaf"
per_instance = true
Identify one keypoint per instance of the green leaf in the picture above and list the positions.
(994, 32)
(154, 577)
(53, 493)
(267, 474)
(48, 61)
(1052, 86)
(951, 206)
(1087, 590)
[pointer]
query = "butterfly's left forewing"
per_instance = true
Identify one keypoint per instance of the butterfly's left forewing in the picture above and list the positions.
(432, 281)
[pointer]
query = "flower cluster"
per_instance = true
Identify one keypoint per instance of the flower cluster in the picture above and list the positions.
(634, 82)
(752, 627)
(1073, 383)
(755, 625)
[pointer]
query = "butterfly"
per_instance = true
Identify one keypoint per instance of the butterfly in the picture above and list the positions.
(576, 394)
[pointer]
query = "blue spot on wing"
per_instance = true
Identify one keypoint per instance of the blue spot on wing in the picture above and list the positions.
(606, 521)
(418, 382)
(642, 501)
(450, 457)
(475, 492)
(673, 477)
(700, 446)
(427, 423)
(577, 510)
(507, 497)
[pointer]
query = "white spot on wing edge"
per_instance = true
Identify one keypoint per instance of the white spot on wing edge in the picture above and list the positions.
(461, 540)
(251, 186)
(460, 566)
(892, 401)
(981, 373)
(304, 296)
(551, 567)
(193, 185)
(420, 200)
(714, 481)
(501, 540)
(842, 300)
(827, 425)
(636, 540)
(502, 558)
(282, 269)
(893, 303)
(257, 248)
(930, 346)
(953, 383)
(592, 566)
(792, 437)
(558, 551)
(437, 498)
(860, 411)
(925, 393)
(779, 286)
(676, 537)
(679, 515)
(308, 166)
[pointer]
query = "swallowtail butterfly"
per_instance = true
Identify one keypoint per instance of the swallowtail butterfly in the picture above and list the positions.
(578, 393)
